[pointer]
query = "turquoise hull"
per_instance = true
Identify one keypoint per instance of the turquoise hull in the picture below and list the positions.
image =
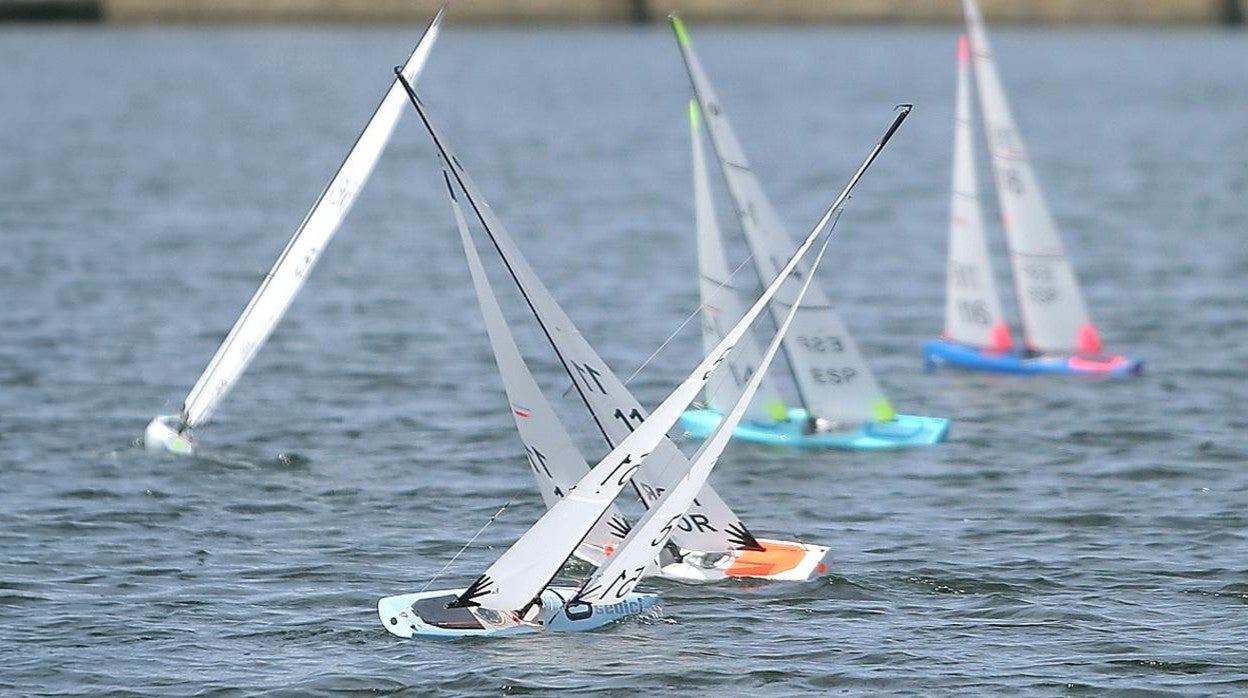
(905, 431)
(424, 614)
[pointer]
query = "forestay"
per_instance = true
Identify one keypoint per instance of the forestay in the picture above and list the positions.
(287, 276)
(616, 579)
(1054, 317)
(721, 306)
(832, 377)
(972, 307)
(556, 462)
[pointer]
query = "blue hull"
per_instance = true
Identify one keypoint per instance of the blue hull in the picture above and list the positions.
(424, 614)
(938, 353)
(905, 431)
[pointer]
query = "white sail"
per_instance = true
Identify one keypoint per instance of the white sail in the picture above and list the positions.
(635, 556)
(1054, 317)
(832, 377)
(710, 525)
(721, 306)
(972, 307)
(287, 276)
(524, 569)
(556, 462)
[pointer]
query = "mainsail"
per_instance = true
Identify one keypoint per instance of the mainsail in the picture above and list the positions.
(614, 580)
(524, 569)
(287, 276)
(1054, 316)
(556, 462)
(710, 525)
(721, 306)
(832, 377)
(972, 307)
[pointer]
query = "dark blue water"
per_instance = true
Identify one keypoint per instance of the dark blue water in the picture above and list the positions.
(1077, 537)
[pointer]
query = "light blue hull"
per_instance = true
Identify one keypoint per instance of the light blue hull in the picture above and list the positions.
(905, 431)
(938, 353)
(423, 614)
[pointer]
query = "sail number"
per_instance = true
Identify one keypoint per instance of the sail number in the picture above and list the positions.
(963, 275)
(619, 586)
(306, 263)
(833, 376)
(1040, 283)
(689, 521)
(1013, 181)
(341, 193)
(628, 418)
(822, 345)
(624, 470)
(974, 312)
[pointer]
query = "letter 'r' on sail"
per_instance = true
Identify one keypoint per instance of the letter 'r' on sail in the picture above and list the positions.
(972, 306)
(288, 275)
(1054, 316)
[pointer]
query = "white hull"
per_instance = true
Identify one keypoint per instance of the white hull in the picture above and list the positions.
(780, 561)
(424, 614)
(168, 434)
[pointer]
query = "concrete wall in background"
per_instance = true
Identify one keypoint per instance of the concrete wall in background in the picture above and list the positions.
(573, 11)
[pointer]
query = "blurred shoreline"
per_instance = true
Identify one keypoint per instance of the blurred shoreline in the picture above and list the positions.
(1142, 12)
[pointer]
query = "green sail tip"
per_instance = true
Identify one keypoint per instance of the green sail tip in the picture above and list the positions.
(776, 410)
(883, 411)
(694, 114)
(681, 35)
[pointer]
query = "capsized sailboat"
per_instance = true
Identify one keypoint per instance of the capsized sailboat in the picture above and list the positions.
(843, 406)
(515, 595)
(173, 433)
(1059, 335)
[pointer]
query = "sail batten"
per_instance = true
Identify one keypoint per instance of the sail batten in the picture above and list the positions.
(280, 286)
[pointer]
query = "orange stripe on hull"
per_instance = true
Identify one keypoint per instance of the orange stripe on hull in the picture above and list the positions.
(774, 559)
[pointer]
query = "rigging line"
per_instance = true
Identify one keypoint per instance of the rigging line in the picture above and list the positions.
(831, 230)
(470, 542)
(681, 326)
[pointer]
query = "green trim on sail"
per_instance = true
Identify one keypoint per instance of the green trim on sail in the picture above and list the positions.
(681, 35)
(695, 114)
(776, 410)
(883, 410)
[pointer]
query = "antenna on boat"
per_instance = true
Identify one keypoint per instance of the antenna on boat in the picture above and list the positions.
(470, 542)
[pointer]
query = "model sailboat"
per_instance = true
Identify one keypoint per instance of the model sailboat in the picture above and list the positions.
(843, 406)
(1059, 336)
(173, 433)
(710, 542)
(515, 595)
